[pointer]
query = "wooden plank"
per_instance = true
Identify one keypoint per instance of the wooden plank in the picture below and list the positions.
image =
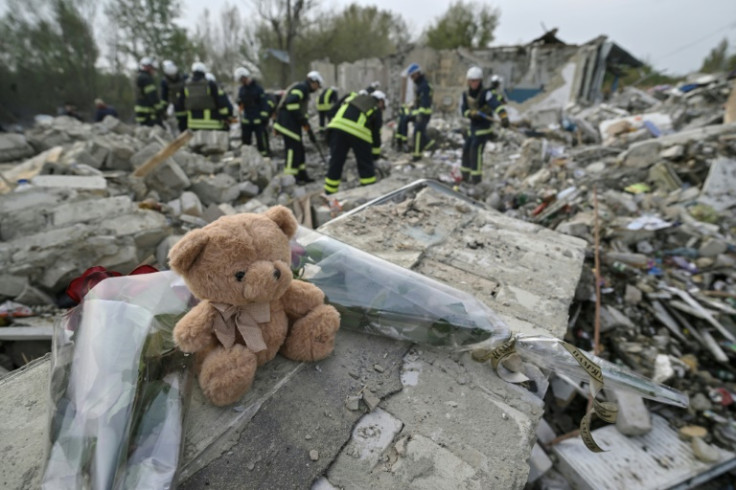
(163, 154)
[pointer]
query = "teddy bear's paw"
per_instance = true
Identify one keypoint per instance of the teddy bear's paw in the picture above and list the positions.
(191, 340)
(313, 337)
(226, 374)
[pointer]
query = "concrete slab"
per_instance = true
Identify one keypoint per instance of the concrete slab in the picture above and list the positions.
(453, 422)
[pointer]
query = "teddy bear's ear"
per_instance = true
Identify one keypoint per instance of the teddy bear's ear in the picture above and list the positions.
(284, 218)
(183, 254)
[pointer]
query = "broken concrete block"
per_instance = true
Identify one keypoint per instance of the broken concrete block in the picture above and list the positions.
(719, 188)
(190, 204)
(124, 261)
(12, 286)
(632, 295)
(91, 210)
(215, 189)
(711, 247)
(210, 142)
(147, 228)
(162, 249)
(115, 125)
(641, 154)
(32, 296)
(168, 180)
(14, 147)
(664, 177)
(539, 463)
(674, 152)
(70, 182)
(248, 189)
(633, 416)
(119, 154)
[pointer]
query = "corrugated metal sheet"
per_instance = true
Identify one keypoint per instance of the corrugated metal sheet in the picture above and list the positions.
(658, 460)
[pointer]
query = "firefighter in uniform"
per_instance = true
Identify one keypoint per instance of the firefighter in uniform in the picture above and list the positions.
(291, 117)
(224, 119)
(402, 127)
(253, 109)
(206, 104)
(326, 106)
(148, 107)
(421, 110)
(356, 125)
(479, 105)
(172, 85)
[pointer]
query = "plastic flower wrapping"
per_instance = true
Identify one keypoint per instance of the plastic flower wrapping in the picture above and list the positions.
(119, 387)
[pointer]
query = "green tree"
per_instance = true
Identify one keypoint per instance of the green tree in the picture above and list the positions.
(49, 52)
(148, 28)
(361, 32)
(464, 24)
(717, 60)
(281, 23)
(226, 45)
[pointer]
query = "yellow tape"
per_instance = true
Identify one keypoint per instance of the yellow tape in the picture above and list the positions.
(606, 411)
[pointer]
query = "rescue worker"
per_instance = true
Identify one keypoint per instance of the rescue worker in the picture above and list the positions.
(254, 110)
(172, 85)
(496, 88)
(356, 125)
(225, 122)
(421, 110)
(291, 117)
(148, 107)
(326, 106)
(206, 104)
(479, 105)
(103, 110)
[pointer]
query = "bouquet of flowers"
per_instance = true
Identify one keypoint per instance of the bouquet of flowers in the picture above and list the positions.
(118, 386)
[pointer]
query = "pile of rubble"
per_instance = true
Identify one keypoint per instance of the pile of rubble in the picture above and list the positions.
(649, 176)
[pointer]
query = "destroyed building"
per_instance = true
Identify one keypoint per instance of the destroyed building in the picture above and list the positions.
(646, 178)
(540, 78)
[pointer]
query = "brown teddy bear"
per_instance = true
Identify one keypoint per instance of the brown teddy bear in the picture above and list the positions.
(251, 308)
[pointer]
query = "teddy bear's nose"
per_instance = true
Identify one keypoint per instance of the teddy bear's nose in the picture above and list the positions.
(277, 273)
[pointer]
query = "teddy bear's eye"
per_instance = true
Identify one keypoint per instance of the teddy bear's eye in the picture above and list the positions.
(239, 275)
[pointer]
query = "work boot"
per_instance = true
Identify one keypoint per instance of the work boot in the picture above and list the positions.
(303, 178)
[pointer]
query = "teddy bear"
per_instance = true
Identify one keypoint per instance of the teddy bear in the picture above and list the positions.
(251, 307)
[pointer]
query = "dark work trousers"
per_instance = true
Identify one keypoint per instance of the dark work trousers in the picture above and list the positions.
(266, 142)
(402, 130)
(294, 156)
(324, 118)
(246, 136)
(181, 121)
(472, 159)
(419, 140)
(340, 143)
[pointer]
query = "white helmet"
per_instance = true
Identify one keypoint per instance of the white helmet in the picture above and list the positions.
(496, 80)
(209, 76)
(199, 66)
(375, 84)
(377, 94)
(241, 72)
(362, 92)
(314, 76)
(170, 68)
(474, 73)
(146, 61)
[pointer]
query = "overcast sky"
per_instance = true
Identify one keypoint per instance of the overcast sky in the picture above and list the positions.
(673, 35)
